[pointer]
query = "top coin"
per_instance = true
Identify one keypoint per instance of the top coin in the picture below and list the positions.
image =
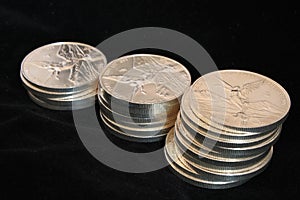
(63, 65)
(238, 99)
(145, 79)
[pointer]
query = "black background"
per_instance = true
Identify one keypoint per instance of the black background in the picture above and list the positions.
(41, 155)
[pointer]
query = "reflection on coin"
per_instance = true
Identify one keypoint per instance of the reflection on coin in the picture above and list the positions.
(63, 76)
(145, 79)
(63, 65)
(249, 100)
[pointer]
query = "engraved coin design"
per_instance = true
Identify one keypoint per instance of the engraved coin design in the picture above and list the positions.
(63, 75)
(145, 79)
(239, 99)
(140, 96)
(225, 131)
(63, 65)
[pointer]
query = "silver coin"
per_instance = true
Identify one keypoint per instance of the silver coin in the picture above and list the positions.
(145, 79)
(232, 150)
(63, 66)
(218, 165)
(227, 126)
(142, 88)
(239, 100)
(217, 131)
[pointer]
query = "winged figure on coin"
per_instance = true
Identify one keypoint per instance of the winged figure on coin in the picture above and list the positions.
(74, 59)
(149, 80)
(235, 102)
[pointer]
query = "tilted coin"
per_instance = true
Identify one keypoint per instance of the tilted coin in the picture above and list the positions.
(226, 128)
(188, 116)
(239, 100)
(241, 149)
(200, 134)
(188, 174)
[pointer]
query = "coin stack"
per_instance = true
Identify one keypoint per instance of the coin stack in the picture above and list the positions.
(139, 96)
(63, 76)
(226, 128)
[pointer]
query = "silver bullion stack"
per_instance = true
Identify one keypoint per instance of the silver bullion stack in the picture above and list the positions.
(139, 96)
(63, 75)
(225, 131)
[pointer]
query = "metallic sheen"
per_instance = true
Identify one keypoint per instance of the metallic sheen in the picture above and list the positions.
(145, 79)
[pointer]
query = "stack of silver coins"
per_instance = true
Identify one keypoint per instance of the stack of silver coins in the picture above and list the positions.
(63, 76)
(228, 123)
(139, 96)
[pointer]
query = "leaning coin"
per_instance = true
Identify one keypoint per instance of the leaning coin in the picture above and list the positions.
(189, 175)
(240, 100)
(206, 152)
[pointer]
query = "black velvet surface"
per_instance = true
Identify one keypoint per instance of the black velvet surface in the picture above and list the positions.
(41, 155)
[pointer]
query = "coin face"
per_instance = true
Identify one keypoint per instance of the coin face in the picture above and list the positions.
(63, 65)
(145, 79)
(238, 99)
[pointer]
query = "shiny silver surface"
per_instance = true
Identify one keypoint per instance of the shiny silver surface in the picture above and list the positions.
(132, 136)
(139, 95)
(188, 174)
(57, 105)
(226, 128)
(145, 79)
(239, 100)
(63, 65)
(63, 76)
